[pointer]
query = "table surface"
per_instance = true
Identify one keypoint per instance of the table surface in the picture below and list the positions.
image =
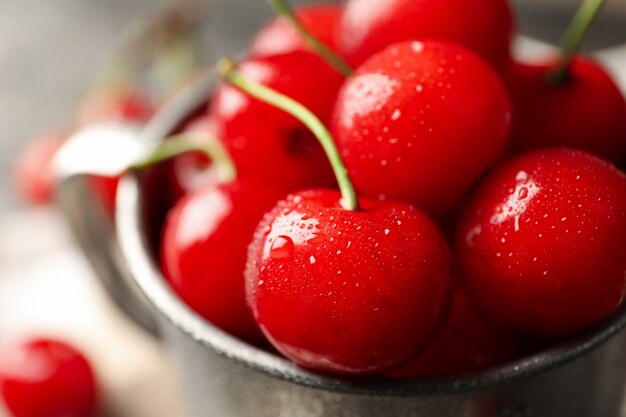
(45, 284)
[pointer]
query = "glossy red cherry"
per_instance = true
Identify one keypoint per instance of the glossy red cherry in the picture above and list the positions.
(349, 292)
(33, 174)
(279, 36)
(369, 26)
(420, 122)
(542, 243)
(266, 142)
(47, 378)
(586, 112)
(469, 341)
(203, 251)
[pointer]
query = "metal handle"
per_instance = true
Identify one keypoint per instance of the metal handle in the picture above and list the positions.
(91, 225)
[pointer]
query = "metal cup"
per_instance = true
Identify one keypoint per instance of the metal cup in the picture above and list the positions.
(223, 376)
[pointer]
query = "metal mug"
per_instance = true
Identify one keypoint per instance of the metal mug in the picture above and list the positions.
(222, 376)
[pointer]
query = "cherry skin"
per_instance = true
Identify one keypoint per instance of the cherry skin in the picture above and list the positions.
(469, 341)
(369, 26)
(587, 112)
(420, 122)
(266, 142)
(279, 36)
(33, 174)
(203, 251)
(542, 242)
(348, 292)
(47, 378)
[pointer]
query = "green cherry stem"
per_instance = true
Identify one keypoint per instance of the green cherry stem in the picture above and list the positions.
(283, 9)
(227, 69)
(573, 38)
(191, 142)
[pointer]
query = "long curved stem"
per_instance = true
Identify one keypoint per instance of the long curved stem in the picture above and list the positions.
(573, 38)
(227, 69)
(283, 9)
(191, 142)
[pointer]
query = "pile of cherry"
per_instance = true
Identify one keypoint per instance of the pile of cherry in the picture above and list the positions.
(489, 216)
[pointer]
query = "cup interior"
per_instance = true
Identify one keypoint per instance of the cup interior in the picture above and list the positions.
(138, 255)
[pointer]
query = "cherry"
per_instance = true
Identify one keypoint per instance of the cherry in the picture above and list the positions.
(205, 235)
(420, 122)
(33, 175)
(369, 26)
(542, 242)
(279, 36)
(267, 143)
(350, 292)
(105, 106)
(588, 112)
(339, 288)
(569, 101)
(469, 341)
(203, 250)
(47, 378)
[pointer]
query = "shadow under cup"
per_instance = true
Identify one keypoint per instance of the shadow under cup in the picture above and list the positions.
(223, 376)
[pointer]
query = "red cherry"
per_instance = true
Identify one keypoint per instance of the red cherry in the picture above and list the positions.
(348, 292)
(203, 251)
(33, 174)
(542, 243)
(369, 26)
(587, 111)
(420, 122)
(130, 106)
(264, 141)
(47, 378)
(279, 36)
(469, 341)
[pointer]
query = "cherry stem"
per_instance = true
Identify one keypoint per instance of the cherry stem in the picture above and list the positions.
(573, 38)
(192, 142)
(227, 68)
(283, 9)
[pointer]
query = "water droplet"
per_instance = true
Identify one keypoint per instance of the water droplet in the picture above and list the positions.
(282, 247)
(312, 259)
(386, 231)
(522, 193)
(417, 47)
(396, 114)
(521, 176)
(317, 238)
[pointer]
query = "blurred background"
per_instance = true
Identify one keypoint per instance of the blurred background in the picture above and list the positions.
(49, 53)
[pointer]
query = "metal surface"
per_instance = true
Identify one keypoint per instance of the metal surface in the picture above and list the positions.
(222, 376)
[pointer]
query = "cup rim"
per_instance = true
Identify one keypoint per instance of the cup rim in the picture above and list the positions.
(146, 274)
